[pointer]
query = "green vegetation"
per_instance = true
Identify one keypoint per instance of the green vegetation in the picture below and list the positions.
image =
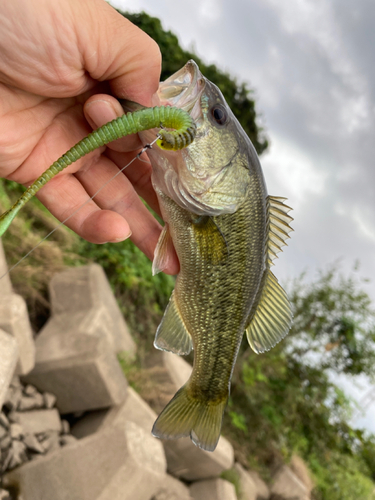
(174, 57)
(282, 402)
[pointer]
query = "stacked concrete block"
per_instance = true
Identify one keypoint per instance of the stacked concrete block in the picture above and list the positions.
(8, 362)
(172, 489)
(187, 461)
(133, 409)
(14, 319)
(81, 370)
(213, 489)
(286, 485)
(300, 469)
(178, 369)
(117, 463)
(263, 492)
(83, 293)
(247, 487)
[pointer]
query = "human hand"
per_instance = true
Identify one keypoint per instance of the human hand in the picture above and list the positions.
(55, 57)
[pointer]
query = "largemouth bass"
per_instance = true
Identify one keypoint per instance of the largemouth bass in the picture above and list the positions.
(226, 231)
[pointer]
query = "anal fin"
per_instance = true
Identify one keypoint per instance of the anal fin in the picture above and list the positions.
(272, 318)
(172, 334)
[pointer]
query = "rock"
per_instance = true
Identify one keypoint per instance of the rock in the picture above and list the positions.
(49, 400)
(4, 495)
(13, 396)
(5, 442)
(80, 369)
(9, 357)
(179, 370)
(4, 422)
(14, 320)
(84, 293)
(247, 486)
(38, 421)
(50, 441)
(172, 489)
(32, 443)
(36, 401)
(30, 390)
(16, 431)
(6, 285)
(286, 485)
(213, 489)
(263, 492)
(67, 440)
(134, 409)
(300, 469)
(65, 427)
(16, 455)
(3, 432)
(189, 462)
(114, 464)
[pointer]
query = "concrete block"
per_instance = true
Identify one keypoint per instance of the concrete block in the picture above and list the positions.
(172, 489)
(82, 371)
(37, 421)
(213, 489)
(14, 319)
(247, 486)
(8, 361)
(300, 469)
(115, 464)
(287, 485)
(133, 409)
(263, 492)
(86, 290)
(187, 461)
(5, 283)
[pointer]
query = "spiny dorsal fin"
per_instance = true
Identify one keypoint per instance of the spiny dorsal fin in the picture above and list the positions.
(172, 334)
(272, 318)
(279, 228)
(161, 253)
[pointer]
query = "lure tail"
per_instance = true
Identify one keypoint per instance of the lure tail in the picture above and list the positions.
(186, 416)
(131, 123)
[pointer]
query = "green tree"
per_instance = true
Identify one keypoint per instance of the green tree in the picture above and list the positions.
(286, 401)
(238, 95)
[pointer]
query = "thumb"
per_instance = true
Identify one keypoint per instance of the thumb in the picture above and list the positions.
(116, 50)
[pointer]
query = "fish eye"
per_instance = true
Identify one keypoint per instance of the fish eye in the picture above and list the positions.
(219, 114)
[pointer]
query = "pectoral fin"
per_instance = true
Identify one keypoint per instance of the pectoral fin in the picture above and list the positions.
(161, 254)
(210, 240)
(172, 334)
(272, 318)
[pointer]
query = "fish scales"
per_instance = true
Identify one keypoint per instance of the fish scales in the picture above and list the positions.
(226, 231)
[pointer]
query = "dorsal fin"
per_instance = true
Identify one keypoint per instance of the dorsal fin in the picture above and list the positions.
(272, 318)
(172, 334)
(279, 228)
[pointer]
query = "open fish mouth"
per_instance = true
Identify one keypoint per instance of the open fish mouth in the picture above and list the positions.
(184, 89)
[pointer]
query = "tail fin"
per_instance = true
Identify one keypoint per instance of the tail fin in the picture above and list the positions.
(187, 416)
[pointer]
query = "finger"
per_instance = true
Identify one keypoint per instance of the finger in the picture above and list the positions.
(65, 197)
(120, 196)
(101, 109)
(114, 49)
(139, 174)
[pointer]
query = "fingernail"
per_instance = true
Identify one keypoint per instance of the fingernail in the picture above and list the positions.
(101, 112)
(117, 240)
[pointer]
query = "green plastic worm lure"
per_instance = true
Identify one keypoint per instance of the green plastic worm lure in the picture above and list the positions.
(130, 123)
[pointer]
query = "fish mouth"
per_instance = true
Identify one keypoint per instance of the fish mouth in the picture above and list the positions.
(184, 89)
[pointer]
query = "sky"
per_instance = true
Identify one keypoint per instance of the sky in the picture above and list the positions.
(311, 66)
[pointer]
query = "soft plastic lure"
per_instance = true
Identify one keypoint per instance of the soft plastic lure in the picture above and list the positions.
(130, 123)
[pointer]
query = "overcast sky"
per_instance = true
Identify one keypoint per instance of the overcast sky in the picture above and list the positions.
(311, 65)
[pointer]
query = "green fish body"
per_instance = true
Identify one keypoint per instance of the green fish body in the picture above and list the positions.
(226, 231)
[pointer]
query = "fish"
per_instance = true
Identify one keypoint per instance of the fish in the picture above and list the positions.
(226, 231)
